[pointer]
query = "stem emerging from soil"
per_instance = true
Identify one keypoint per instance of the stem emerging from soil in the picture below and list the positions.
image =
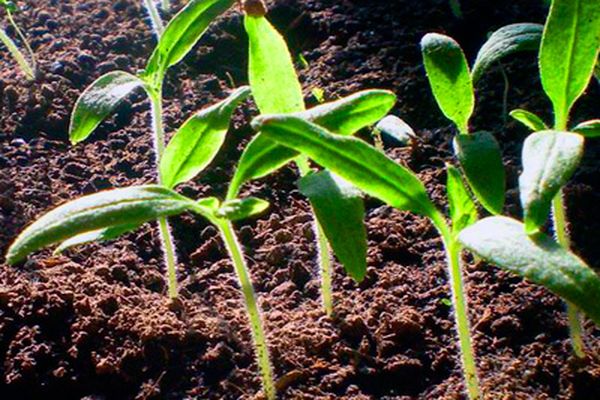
(559, 218)
(17, 54)
(33, 67)
(164, 228)
(258, 335)
(157, 23)
(461, 311)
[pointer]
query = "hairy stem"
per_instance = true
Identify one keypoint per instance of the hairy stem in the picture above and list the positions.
(461, 311)
(17, 54)
(258, 334)
(165, 230)
(166, 5)
(157, 23)
(559, 218)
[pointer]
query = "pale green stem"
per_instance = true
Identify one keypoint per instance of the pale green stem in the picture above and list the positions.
(258, 334)
(157, 24)
(559, 218)
(17, 54)
(460, 304)
(166, 5)
(164, 228)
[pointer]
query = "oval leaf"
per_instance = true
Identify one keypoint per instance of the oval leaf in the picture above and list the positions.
(182, 34)
(98, 101)
(589, 129)
(275, 85)
(480, 157)
(463, 210)
(238, 209)
(569, 53)
(449, 77)
(352, 159)
(345, 116)
(341, 212)
(502, 241)
(549, 160)
(128, 206)
(198, 141)
(505, 41)
(529, 119)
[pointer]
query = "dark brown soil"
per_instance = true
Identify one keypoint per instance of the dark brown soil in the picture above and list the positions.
(95, 323)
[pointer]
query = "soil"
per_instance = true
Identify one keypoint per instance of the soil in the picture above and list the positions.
(96, 324)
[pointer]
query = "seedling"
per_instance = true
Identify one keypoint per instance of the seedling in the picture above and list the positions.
(371, 171)
(28, 67)
(101, 98)
(276, 89)
(155, 20)
(568, 55)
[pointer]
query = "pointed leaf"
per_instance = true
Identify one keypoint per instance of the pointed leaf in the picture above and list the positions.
(238, 209)
(502, 241)
(449, 77)
(345, 117)
(463, 211)
(99, 100)
(100, 235)
(198, 141)
(133, 205)
(549, 160)
(505, 41)
(480, 157)
(529, 119)
(341, 212)
(182, 34)
(275, 85)
(589, 129)
(569, 52)
(352, 159)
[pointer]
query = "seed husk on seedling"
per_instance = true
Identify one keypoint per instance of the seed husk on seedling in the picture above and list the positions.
(27, 66)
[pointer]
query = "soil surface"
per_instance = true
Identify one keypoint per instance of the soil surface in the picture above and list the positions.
(95, 323)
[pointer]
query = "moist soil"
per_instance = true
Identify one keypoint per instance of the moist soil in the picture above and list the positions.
(95, 323)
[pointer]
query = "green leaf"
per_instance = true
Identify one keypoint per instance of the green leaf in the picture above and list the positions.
(128, 206)
(352, 159)
(182, 33)
(238, 209)
(341, 212)
(396, 129)
(549, 160)
(569, 53)
(480, 157)
(589, 129)
(529, 119)
(504, 42)
(100, 235)
(463, 210)
(198, 141)
(502, 241)
(449, 77)
(275, 85)
(99, 100)
(345, 117)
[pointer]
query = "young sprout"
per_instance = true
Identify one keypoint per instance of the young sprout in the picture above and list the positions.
(276, 89)
(568, 56)
(28, 67)
(371, 171)
(101, 98)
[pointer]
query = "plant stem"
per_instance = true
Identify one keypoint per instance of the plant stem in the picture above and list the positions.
(17, 54)
(157, 24)
(164, 228)
(258, 334)
(323, 250)
(461, 312)
(559, 218)
(166, 5)
(33, 67)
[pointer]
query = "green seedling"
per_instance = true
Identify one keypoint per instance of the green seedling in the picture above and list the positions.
(101, 98)
(371, 171)
(276, 89)
(28, 67)
(568, 55)
(155, 20)
(478, 153)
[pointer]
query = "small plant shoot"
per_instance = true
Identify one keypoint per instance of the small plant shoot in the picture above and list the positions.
(28, 67)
